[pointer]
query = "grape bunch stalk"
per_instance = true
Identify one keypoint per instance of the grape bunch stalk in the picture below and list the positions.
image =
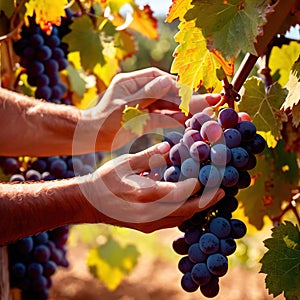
(219, 152)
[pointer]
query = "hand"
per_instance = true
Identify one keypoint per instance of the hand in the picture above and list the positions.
(119, 195)
(153, 90)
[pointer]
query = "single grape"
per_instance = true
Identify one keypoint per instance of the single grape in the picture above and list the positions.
(36, 40)
(17, 177)
(200, 151)
(217, 264)
(209, 243)
(10, 165)
(238, 228)
(220, 227)
(51, 66)
(220, 155)
(188, 284)
(192, 235)
(243, 116)
(33, 175)
(239, 157)
(24, 245)
(39, 165)
(228, 118)
(49, 268)
(247, 130)
(190, 137)
(178, 153)
(185, 265)
(18, 270)
(39, 284)
(232, 137)
(172, 174)
(230, 176)
(43, 92)
(257, 145)
(36, 68)
(40, 238)
(34, 270)
(244, 180)
(227, 246)
(180, 246)
(210, 176)
(41, 253)
(195, 254)
(58, 167)
(198, 120)
(190, 168)
(211, 131)
(200, 274)
(211, 289)
(43, 53)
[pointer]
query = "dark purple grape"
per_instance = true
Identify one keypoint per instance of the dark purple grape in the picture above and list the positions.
(228, 118)
(211, 289)
(172, 174)
(200, 151)
(200, 274)
(198, 120)
(188, 284)
(185, 265)
(10, 165)
(178, 153)
(247, 130)
(43, 53)
(180, 246)
(217, 264)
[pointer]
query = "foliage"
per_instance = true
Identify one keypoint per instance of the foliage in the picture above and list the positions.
(282, 261)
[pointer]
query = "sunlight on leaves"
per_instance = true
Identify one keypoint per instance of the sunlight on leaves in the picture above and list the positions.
(193, 63)
(46, 11)
(111, 262)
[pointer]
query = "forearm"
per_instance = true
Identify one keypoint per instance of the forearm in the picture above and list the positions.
(29, 208)
(35, 128)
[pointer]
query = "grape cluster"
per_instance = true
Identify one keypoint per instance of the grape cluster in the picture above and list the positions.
(43, 56)
(50, 168)
(219, 153)
(33, 260)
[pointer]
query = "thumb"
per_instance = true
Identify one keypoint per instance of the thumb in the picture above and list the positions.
(150, 157)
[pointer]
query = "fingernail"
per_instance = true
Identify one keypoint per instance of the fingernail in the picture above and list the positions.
(163, 147)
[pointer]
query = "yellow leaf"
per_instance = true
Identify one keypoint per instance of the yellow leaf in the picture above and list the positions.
(46, 11)
(227, 65)
(89, 99)
(134, 119)
(269, 137)
(144, 22)
(194, 64)
(178, 10)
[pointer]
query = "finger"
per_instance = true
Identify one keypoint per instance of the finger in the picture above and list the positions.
(154, 90)
(200, 102)
(151, 157)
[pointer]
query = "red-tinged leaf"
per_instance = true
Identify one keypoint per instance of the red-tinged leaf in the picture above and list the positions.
(46, 11)
(227, 65)
(194, 64)
(144, 22)
(178, 9)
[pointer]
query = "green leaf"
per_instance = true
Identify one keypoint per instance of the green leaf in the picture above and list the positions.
(85, 39)
(274, 176)
(111, 262)
(230, 26)
(281, 262)
(282, 59)
(78, 85)
(264, 108)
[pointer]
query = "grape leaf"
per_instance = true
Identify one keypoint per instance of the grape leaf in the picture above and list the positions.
(274, 176)
(282, 60)
(125, 45)
(293, 98)
(178, 9)
(134, 119)
(264, 108)
(281, 262)
(144, 22)
(111, 262)
(86, 40)
(194, 64)
(230, 26)
(78, 85)
(46, 11)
